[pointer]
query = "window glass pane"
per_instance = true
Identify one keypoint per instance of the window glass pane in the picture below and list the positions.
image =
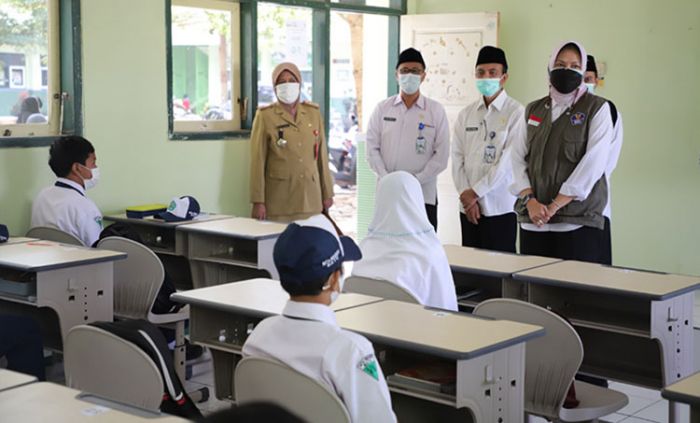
(358, 81)
(24, 61)
(284, 35)
(394, 4)
(201, 57)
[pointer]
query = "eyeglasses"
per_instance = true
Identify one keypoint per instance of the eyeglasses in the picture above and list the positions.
(413, 71)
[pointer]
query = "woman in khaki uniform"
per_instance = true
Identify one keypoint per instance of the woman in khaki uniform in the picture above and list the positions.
(289, 175)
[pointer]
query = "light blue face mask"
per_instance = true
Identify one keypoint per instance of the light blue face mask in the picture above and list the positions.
(591, 88)
(409, 83)
(488, 86)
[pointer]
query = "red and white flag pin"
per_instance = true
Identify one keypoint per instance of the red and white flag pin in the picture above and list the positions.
(534, 120)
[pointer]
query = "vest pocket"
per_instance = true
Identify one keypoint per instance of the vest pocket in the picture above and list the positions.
(573, 148)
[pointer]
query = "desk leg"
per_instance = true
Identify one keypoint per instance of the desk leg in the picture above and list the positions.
(695, 414)
(79, 295)
(179, 351)
(492, 385)
(672, 326)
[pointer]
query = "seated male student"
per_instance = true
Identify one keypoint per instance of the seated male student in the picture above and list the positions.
(65, 205)
(309, 257)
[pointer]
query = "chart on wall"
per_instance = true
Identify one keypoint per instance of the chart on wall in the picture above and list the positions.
(450, 44)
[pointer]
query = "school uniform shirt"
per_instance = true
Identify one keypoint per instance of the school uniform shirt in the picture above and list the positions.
(306, 337)
(414, 140)
(588, 171)
(481, 146)
(615, 149)
(65, 206)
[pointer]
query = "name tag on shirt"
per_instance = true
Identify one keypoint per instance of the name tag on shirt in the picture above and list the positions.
(390, 119)
(534, 120)
(472, 128)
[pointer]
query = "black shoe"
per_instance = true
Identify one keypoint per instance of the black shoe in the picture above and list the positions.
(192, 351)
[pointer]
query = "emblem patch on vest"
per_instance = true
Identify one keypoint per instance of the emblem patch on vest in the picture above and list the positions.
(578, 118)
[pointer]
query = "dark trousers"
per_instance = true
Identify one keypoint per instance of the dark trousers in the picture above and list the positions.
(431, 210)
(492, 233)
(583, 244)
(606, 247)
(20, 343)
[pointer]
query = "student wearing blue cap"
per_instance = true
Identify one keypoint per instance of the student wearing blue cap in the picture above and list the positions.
(309, 257)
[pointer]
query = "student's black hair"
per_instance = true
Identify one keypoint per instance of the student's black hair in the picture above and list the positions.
(310, 287)
(68, 150)
(252, 413)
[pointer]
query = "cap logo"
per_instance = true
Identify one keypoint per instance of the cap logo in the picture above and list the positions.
(171, 206)
(330, 261)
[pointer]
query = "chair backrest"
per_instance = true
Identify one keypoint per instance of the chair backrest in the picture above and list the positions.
(551, 361)
(106, 365)
(264, 379)
(378, 288)
(137, 279)
(53, 234)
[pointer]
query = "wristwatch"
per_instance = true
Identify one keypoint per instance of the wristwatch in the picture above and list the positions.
(522, 203)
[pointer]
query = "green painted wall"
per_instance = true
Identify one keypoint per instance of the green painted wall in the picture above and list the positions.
(125, 113)
(652, 51)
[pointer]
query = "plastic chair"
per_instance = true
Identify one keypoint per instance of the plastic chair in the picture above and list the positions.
(53, 234)
(379, 288)
(137, 281)
(131, 378)
(551, 362)
(264, 379)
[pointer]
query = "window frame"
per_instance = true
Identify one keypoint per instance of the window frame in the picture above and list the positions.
(64, 52)
(248, 42)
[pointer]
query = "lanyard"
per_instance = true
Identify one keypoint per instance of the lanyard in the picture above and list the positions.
(64, 185)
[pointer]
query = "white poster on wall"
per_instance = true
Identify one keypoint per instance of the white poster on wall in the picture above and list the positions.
(297, 45)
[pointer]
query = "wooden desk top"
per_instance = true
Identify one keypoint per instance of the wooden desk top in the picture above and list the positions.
(596, 277)
(241, 227)
(492, 263)
(49, 402)
(152, 221)
(38, 256)
(685, 390)
(436, 332)
(10, 379)
(256, 297)
(17, 240)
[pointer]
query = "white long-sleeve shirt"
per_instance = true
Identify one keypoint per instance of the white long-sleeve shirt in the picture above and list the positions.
(589, 170)
(306, 337)
(394, 141)
(481, 149)
(615, 149)
(67, 208)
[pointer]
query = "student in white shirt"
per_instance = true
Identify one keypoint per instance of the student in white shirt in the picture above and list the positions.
(481, 167)
(65, 205)
(309, 257)
(402, 248)
(410, 132)
(559, 166)
(591, 80)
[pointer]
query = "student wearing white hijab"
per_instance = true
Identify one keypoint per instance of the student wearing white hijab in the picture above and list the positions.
(401, 246)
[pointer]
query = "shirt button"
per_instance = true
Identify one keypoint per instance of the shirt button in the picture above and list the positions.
(300, 160)
(301, 176)
(299, 144)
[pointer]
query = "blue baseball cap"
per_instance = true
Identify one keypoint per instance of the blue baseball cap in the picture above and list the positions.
(308, 251)
(181, 209)
(4, 234)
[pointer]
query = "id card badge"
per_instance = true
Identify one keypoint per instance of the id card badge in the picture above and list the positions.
(490, 154)
(420, 145)
(281, 142)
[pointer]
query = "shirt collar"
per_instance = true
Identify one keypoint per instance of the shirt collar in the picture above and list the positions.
(420, 102)
(73, 184)
(498, 103)
(310, 311)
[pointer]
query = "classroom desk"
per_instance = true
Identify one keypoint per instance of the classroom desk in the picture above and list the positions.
(11, 380)
(489, 357)
(222, 317)
(685, 391)
(636, 326)
(229, 250)
(49, 402)
(170, 244)
(57, 283)
(17, 240)
(482, 274)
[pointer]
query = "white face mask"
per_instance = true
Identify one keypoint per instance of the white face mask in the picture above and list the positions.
(288, 93)
(409, 83)
(591, 87)
(92, 182)
(335, 294)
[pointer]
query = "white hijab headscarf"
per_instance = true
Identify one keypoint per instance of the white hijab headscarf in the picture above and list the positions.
(402, 247)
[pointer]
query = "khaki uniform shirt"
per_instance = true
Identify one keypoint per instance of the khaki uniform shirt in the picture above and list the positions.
(289, 162)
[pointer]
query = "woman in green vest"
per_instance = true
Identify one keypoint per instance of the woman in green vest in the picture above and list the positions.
(559, 165)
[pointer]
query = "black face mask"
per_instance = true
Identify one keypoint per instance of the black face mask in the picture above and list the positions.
(565, 80)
